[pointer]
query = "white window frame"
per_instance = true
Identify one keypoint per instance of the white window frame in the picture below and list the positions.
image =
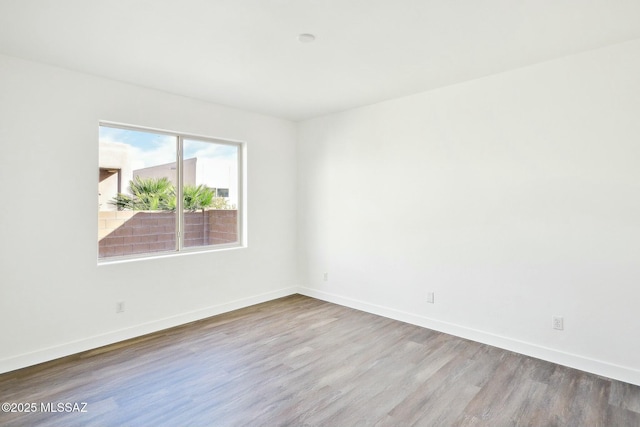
(240, 207)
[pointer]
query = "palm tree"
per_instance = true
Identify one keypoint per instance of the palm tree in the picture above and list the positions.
(147, 194)
(197, 197)
(159, 194)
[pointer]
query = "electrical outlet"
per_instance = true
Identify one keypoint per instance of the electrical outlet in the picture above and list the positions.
(430, 297)
(120, 307)
(557, 322)
(325, 277)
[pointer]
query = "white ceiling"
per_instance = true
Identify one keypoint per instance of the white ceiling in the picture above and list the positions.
(245, 53)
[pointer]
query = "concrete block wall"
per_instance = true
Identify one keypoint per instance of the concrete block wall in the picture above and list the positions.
(123, 233)
(223, 226)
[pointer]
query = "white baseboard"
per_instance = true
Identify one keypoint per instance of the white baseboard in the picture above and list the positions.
(67, 349)
(586, 364)
(582, 363)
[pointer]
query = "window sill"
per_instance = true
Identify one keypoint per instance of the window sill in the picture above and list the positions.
(171, 254)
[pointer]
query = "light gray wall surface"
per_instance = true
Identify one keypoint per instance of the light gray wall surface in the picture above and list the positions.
(54, 298)
(513, 198)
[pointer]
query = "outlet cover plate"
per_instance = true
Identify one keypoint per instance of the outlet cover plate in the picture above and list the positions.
(557, 322)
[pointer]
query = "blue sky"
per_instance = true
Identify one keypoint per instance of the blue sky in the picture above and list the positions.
(150, 149)
(145, 141)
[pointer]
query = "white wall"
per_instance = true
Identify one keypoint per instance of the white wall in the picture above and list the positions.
(513, 197)
(54, 299)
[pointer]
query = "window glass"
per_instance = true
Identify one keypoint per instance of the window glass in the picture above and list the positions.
(160, 192)
(210, 219)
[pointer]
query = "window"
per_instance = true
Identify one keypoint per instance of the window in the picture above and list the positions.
(162, 192)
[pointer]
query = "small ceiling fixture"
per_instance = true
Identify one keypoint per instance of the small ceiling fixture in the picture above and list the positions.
(306, 38)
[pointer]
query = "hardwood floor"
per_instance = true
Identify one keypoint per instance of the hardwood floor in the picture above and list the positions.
(298, 361)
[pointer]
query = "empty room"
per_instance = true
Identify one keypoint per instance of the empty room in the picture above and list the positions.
(320, 213)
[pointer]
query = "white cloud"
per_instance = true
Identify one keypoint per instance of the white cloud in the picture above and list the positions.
(162, 154)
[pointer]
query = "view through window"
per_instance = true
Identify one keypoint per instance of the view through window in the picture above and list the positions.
(162, 192)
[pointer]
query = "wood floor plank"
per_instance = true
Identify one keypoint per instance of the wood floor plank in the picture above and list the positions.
(297, 361)
(625, 396)
(489, 406)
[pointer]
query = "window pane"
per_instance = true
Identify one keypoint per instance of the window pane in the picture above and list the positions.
(210, 190)
(136, 192)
